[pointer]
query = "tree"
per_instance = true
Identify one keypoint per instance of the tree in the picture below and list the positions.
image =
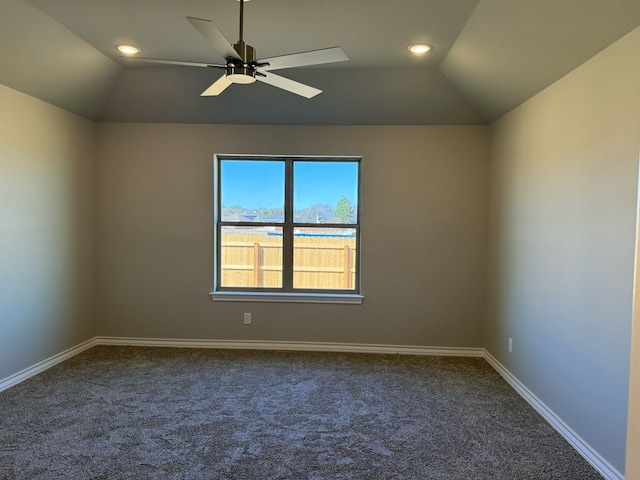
(233, 209)
(316, 213)
(269, 212)
(344, 212)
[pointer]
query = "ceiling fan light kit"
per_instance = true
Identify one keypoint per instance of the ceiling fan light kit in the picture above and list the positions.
(241, 66)
(241, 75)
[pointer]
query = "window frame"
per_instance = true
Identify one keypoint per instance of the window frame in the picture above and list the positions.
(286, 293)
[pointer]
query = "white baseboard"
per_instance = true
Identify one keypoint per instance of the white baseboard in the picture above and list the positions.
(40, 367)
(299, 346)
(582, 447)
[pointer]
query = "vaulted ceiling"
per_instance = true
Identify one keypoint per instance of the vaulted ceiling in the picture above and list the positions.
(488, 57)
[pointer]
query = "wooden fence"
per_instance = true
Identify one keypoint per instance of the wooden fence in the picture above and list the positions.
(255, 260)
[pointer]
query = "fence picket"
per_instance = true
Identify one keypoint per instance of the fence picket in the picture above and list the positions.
(255, 260)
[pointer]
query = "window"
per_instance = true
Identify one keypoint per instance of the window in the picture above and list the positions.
(287, 228)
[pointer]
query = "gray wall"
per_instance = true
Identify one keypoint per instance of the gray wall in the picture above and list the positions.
(632, 471)
(563, 204)
(45, 231)
(424, 234)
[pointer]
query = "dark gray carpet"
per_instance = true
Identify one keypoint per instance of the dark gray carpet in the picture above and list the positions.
(158, 413)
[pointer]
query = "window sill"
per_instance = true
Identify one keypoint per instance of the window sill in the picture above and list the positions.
(345, 299)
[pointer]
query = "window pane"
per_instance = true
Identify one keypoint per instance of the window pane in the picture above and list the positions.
(252, 191)
(251, 257)
(324, 258)
(325, 192)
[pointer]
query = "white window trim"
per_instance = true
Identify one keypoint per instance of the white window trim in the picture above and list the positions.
(227, 295)
(270, 297)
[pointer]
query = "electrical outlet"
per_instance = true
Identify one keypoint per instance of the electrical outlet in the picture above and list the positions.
(247, 318)
(510, 345)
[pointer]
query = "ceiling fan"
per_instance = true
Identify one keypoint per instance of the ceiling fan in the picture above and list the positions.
(241, 66)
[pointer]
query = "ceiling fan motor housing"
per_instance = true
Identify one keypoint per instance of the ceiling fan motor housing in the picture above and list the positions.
(242, 72)
(247, 52)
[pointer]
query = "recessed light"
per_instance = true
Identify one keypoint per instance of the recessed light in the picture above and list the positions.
(419, 48)
(128, 49)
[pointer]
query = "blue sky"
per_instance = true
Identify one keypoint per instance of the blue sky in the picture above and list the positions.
(261, 183)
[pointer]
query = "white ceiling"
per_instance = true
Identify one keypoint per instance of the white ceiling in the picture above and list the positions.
(489, 56)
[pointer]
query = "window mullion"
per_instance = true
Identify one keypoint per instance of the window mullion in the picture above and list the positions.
(287, 237)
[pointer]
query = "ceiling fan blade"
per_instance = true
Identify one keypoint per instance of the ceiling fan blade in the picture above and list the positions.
(217, 88)
(212, 33)
(314, 57)
(174, 62)
(288, 85)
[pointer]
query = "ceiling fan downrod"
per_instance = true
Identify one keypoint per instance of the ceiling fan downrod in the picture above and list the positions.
(243, 72)
(247, 52)
(241, 20)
